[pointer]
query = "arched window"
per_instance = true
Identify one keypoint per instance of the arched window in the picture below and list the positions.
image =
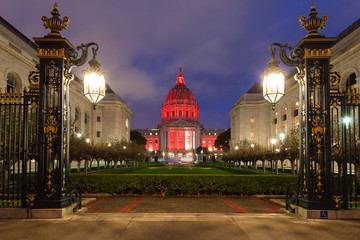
(86, 118)
(13, 82)
(351, 81)
(77, 119)
(77, 113)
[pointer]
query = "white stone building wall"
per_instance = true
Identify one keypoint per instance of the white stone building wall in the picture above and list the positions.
(18, 55)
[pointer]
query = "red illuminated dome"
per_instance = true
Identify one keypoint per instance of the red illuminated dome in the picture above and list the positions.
(180, 103)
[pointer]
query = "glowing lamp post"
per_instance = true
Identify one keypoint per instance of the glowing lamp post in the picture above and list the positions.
(273, 80)
(94, 80)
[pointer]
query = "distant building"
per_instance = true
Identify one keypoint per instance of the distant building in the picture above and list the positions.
(252, 117)
(18, 56)
(180, 132)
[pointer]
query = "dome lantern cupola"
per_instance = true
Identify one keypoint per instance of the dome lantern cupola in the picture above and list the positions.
(180, 103)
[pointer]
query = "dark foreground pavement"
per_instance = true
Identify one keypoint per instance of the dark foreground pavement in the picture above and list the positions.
(179, 226)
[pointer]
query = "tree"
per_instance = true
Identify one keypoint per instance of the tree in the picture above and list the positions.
(223, 139)
(289, 148)
(137, 137)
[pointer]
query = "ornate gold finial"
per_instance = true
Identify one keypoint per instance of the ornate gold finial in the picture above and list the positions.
(55, 24)
(313, 24)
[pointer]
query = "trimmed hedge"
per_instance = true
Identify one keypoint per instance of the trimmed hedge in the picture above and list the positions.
(183, 184)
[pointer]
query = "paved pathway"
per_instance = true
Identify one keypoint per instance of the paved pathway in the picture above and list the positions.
(182, 205)
(174, 226)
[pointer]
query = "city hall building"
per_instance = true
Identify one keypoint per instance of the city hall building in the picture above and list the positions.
(253, 118)
(180, 132)
(19, 56)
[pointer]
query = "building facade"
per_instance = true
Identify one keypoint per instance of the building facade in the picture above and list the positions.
(253, 118)
(180, 132)
(19, 56)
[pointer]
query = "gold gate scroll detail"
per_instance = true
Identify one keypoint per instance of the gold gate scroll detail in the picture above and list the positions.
(51, 126)
(337, 199)
(31, 197)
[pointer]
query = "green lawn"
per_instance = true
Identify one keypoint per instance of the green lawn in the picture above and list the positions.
(179, 170)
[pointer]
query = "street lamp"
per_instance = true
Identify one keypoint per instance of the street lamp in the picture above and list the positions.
(273, 80)
(311, 58)
(94, 80)
(78, 135)
(347, 121)
(282, 136)
(87, 140)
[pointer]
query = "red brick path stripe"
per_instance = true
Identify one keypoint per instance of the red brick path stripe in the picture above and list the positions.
(234, 206)
(97, 202)
(274, 206)
(131, 205)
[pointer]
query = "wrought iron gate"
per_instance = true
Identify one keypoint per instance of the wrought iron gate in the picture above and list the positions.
(345, 140)
(18, 147)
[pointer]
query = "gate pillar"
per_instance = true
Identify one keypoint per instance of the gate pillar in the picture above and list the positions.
(53, 115)
(315, 133)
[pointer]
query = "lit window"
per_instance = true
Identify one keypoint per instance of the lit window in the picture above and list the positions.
(150, 141)
(150, 133)
(252, 134)
(252, 119)
(204, 141)
(156, 133)
(127, 123)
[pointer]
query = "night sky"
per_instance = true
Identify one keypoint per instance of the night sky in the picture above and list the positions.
(222, 45)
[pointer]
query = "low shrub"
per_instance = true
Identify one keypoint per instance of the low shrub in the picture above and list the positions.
(183, 184)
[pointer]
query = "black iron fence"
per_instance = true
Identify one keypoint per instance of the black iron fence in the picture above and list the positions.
(18, 148)
(345, 135)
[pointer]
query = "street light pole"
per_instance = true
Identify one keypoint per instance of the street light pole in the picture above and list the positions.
(311, 57)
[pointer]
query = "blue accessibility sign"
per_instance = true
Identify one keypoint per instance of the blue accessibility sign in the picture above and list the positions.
(324, 215)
